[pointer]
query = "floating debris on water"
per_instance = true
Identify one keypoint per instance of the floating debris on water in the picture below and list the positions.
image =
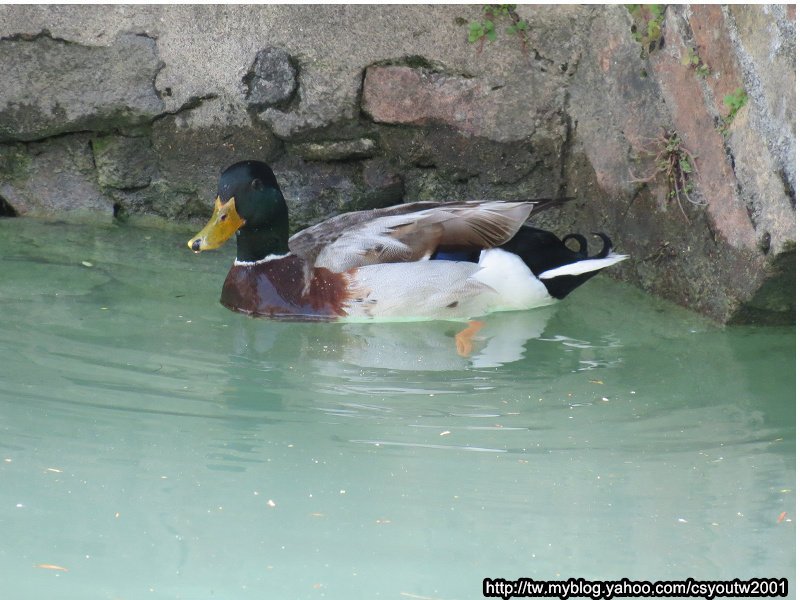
(51, 567)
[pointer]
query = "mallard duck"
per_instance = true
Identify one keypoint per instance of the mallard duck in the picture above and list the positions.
(422, 260)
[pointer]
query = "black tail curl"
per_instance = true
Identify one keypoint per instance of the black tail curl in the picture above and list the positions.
(542, 251)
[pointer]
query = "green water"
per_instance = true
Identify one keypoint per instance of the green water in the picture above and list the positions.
(155, 445)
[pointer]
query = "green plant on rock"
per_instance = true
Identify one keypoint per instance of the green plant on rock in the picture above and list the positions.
(692, 60)
(647, 21)
(736, 100)
(678, 165)
(734, 103)
(486, 29)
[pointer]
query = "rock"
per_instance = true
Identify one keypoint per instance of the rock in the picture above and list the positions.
(272, 80)
(767, 64)
(317, 191)
(407, 96)
(181, 163)
(327, 98)
(738, 175)
(716, 51)
(615, 105)
(774, 302)
(335, 150)
(761, 137)
(45, 83)
(382, 186)
(314, 191)
(459, 157)
(53, 178)
(715, 262)
(684, 96)
(401, 95)
(124, 162)
(190, 160)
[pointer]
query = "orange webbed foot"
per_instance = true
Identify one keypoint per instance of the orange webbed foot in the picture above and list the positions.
(464, 339)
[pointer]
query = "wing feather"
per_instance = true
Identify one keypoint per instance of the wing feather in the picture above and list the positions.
(410, 232)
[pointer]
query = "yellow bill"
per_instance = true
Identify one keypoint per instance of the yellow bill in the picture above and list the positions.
(223, 224)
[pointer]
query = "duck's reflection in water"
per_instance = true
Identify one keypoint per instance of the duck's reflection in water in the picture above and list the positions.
(435, 346)
(409, 346)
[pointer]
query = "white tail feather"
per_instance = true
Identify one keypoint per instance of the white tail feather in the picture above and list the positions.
(509, 276)
(584, 266)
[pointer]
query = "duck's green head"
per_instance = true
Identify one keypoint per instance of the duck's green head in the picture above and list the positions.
(250, 203)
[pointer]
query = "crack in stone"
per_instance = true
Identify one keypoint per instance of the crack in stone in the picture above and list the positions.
(190, 104)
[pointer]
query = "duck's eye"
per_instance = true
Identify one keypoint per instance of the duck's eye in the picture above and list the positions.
(257, 184)
(223, 217)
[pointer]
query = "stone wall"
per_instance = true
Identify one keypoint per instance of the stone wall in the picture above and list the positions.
(134, 110)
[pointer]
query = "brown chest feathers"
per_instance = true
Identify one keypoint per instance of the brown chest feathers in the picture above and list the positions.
(277, 288)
